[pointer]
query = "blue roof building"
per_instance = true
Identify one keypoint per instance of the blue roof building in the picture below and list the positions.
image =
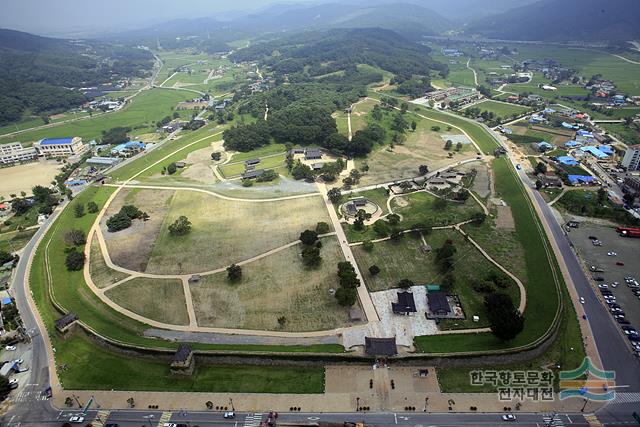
(606, 149)
(572, 144)
(584, 133)
(128, 146)
(569, 126)
(594, 152)
(568, 160)
(581, 179)
(549, 111)
(544, 145)
(56, 141)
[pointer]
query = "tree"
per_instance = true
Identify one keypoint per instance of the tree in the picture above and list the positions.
(540, 168)
(414, 126)
(172, 168)
(78, 210)
(234, 273)
(462, 195)
(381, 228)
(131, 211)
(347, 275)
(602, 196)
(322, 228)
(459, 146)
(282, 320)
(216, 155)
(308, 237)
(118, 222)
(374, 270)
(180, 227)
(538, 184)
(92, 207)
(75, 260)
(75, 237)
(5, 257)
(393, 219)
(435, 128)
(405, 284)
(423, 170)
(367, 245)
(505, 320)
(334, 195)
(311, 256)
(5, 388)
(346, 296)
(448, 144)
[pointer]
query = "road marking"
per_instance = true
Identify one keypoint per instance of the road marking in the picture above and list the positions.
(253, 420)
(165, 417)
(395, 417)
(569, 418)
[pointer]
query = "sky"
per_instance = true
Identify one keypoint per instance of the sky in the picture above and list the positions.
(69, 17)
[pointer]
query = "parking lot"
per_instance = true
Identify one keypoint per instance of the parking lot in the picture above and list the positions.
(615, 260)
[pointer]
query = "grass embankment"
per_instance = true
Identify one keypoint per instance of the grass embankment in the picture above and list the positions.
(15, 240)
(502, 110)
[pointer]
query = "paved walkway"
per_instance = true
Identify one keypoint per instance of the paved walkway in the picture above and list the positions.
(475, 75)
(363, 294)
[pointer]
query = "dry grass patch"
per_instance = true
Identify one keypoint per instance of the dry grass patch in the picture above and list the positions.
(225, 232)
(19, 178)
(101, 274)
(422, 147)
(132, 247)
(275, 286)
(162, 300)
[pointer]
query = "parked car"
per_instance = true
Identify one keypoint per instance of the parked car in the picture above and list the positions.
(593, 238)
(612, 254)
(229, 415)
(76, 419)
(620, 263)
(623, 321)
(603, 286)
(597, 243)
(10, 348)
(598, 279)
(582, 300)
(508, 417)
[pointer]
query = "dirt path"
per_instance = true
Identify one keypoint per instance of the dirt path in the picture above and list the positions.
(475, 75)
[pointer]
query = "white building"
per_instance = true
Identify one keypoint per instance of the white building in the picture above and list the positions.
(15, 153)
(60, 147)
(631, 159)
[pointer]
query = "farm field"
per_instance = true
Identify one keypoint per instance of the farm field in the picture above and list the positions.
(162, 300)
(142, 113)
(271, 288)
(16, 179)
(223, 234)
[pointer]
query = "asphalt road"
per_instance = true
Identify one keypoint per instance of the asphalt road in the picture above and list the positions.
(30, 405)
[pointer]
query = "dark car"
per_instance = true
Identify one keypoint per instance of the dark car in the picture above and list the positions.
(623, 321)
(111, 425)
(634, 337)
(593, 238)
(598, 279)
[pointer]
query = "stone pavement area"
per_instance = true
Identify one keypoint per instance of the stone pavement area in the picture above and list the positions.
(346, 387)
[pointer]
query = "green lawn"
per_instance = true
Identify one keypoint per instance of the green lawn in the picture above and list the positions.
(15, 240)
(502, 110)
(142, 114)
(419, 208)
(270, 162)
(93, 368)
(30, 218)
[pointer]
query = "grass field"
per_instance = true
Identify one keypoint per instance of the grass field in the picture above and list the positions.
(225, 231)
(90, 368)
(542, 299)
(101, 274)
(585, 203)
(30, 218)
(625, 133)
(405, 260)
(270, 162)
(141, 114)
(15, 240)
(418, 208)
(156, 299)
(502, 110)
(275, 286)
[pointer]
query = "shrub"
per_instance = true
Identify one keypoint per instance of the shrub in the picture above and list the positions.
(75, 260)
(117, 222)
(180, 227)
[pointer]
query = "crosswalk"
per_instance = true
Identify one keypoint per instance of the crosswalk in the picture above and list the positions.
(626, 398)
(253, 420)
(552, 420)
(593, 420)
(101, 418)
(27, 396)
(164, 418)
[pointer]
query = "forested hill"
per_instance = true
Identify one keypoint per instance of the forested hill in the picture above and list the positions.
(319, 53)
(38, 74)
(565, 20)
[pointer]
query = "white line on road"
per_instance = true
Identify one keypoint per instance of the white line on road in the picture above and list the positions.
(395, 417)
(569, 418)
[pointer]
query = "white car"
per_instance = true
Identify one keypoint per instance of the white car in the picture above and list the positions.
(13, 381)
(18, 361)
(612, 254)
(603, 286)
(229, 415)
(582, 300)
(76, 419)
(10, 348)
(508, 417)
